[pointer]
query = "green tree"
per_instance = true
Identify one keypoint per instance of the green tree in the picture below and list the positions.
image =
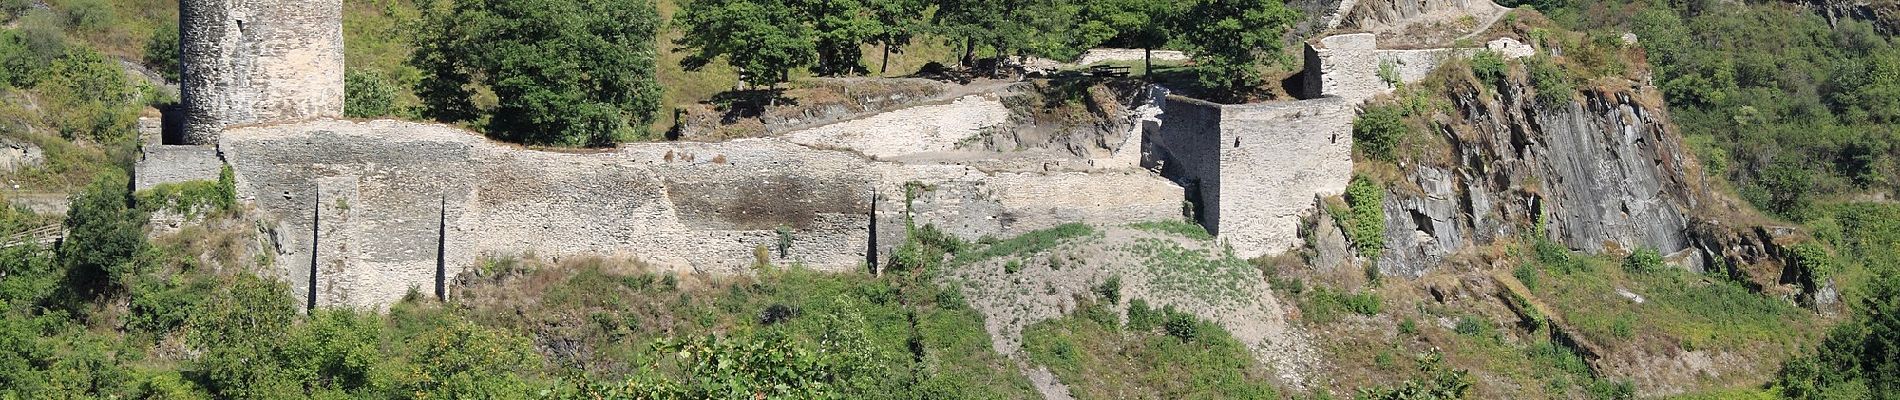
(105, 234)
(839, 28)
(563, 72)
(898, 22)
(1143, 24)
(764, 39)
(162, 51)
(1229, 39)
(1859, 359)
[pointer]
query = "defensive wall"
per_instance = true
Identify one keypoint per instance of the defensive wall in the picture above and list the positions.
(363, 212)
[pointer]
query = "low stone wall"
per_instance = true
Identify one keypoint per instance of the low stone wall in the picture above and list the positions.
(1350, 65)
(361, 209)
(160, 164)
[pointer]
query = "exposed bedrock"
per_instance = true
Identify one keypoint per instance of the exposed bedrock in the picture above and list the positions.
(1606, 172)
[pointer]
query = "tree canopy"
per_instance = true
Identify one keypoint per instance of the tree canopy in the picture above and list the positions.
(561, 72)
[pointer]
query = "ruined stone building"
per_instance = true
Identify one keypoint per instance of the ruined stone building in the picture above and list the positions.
(360, 213)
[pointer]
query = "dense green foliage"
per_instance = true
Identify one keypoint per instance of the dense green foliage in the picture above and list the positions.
(367, 95)
(1379, 130)
(1230, 39)
(1364, 216)
(562, 72)
(1793, 109)
(765, 40)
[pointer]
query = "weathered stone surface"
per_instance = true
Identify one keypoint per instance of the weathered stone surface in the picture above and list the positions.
(1252, 170)
(1606, 172)
(374, 200)
(18, 154)
(916, 130)
(259, 61)
(1421, 22)
(171, 164)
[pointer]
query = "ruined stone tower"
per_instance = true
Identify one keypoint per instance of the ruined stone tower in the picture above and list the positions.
(259, 61)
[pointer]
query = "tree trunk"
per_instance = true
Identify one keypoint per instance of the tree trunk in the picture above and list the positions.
(886, 65)
(1148, 64)
(969, 53)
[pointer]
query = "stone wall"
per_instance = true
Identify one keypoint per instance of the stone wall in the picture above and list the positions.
(1350, 65)
(1252, 170)
(374, 200)
(259, 61)
(171, 164)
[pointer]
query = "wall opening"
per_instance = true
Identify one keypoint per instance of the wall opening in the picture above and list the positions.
(870, 248)
(316, 224)
(441, 252)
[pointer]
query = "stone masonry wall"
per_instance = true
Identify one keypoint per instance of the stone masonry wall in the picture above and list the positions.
(1252, 170)
(172, 164)
(259, 61)
(373, 200)
(1277, 156)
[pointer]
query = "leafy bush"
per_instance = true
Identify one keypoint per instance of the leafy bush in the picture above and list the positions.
(106, 233)
(1437, 382)
(91, 98)
(1643, 261)
(1553, 85)
(162, 51)
(1365, 216)
(1379, 131)
(89, 15)
(1110, 289)
(1489, 67)
(367, 95)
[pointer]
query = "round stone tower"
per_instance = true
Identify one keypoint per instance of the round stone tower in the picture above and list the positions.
(259, 62)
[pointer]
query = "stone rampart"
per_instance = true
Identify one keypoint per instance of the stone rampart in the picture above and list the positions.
(160, 164)
(373, 202)
(259, 61)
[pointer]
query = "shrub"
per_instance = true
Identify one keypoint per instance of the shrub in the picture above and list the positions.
(1365, 218)
(161, 51)
(91, 98)
(367, 95)
(1181, 325)
(1378, 132)
(1489, 67)
(1111, 289)
(105, 234)
(89, 15)
(1526, 274)
(1472, 326)
(1554, 88)
(1643, 261)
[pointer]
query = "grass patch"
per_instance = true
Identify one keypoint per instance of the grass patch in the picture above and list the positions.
(1184, 229)
(1180, 357)
(1028, 243)
(1218, 279)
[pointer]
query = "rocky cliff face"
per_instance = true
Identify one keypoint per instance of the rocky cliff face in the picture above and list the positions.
(1883, 14)
(1606, 172)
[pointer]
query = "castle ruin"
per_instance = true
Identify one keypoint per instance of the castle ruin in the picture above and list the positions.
(361, 213)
